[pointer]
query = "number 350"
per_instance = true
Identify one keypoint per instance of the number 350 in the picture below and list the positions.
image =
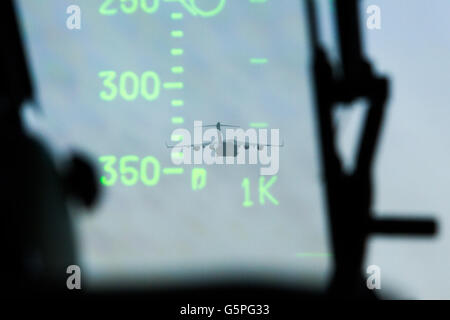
(130, 85)
(129, 174)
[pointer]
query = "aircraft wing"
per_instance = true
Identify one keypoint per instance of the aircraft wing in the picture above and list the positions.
(258, 145)
(203, 145)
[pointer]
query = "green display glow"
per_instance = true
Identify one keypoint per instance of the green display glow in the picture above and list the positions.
(110, 8)
(127, 77)
(264, 190)
(130, 8)
(177, 103)
(192, 7)
(246, 186)
(258, 124)
(129, 174)
(258, 60)
(176, 137)
(176, 52)
(108, 83)
(130, 85)
(173, 85)
(210, 13)
(156, 171)
(108, 168)
(149, 9)
(177, 70)
(171, 171)
(105, 10)
(178, 155)
(156, 85)
(177, 120)
(129, 170)
(198, 179)
(177, 33)
(176, 16)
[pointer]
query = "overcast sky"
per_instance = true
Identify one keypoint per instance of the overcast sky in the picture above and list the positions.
(172, 233)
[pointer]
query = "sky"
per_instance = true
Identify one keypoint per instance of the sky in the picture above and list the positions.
(169, 233)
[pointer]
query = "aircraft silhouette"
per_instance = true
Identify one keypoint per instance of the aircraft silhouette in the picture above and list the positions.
(224, 147)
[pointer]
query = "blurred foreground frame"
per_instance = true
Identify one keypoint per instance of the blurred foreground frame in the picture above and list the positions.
(37, 235)
(348, 195)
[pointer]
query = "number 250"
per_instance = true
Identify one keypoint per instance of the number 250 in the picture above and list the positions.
(128, 7)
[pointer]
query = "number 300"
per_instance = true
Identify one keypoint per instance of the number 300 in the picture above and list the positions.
(130, 85)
